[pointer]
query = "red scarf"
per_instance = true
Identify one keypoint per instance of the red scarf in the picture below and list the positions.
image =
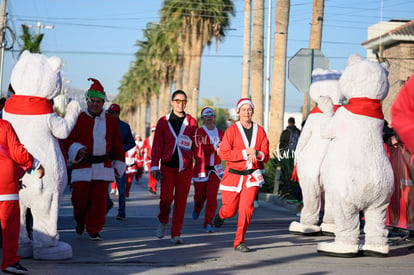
(31, 105)
(365, 106)
(28, 105)
(317, 110)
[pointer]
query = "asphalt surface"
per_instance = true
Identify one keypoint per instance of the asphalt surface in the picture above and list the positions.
(130, 246)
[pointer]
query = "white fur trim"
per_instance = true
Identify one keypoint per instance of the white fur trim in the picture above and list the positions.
(73, 151)
(119, 167)
(99, 135)
(99, 173)
(200, 179)
(245, 157)
(154, 168)
(241, 103)
(230, 188)
(9, 197)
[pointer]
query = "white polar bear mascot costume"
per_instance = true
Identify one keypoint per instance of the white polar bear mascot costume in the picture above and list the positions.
(36, 80)
(356, 172)
(310, 152)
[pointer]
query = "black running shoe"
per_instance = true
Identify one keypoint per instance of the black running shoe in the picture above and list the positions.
(218, 222)
(17, 268)
(242, 247)
(95, 237)
(79, 229)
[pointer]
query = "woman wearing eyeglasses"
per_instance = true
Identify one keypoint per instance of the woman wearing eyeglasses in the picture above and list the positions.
(206, 184)
(174, 146)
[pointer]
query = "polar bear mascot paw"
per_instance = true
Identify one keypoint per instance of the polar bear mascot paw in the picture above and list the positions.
(310, 153)
(36, 81)
(356, 172)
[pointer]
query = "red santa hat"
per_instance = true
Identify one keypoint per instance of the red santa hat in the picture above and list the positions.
(96, 89)
(242, 102)
(153, 128)
(207, 110)
(114, 108)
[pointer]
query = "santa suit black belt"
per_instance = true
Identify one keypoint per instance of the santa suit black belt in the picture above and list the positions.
(209, 168)
(96, 159)
(242, 172)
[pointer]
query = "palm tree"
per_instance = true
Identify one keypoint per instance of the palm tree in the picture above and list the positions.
(258, 59)
(201, 21)
(30, 42)
(246, 48)
(277, 103)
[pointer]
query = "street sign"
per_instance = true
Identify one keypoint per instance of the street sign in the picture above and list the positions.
(301, 66)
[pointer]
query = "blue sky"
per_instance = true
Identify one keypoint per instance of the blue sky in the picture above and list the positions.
(96, 38)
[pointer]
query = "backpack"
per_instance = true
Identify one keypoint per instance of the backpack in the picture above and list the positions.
(293, 139)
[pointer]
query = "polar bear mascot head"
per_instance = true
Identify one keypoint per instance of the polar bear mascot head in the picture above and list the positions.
(37, 75)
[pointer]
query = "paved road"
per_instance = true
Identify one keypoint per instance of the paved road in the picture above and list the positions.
(130, 247)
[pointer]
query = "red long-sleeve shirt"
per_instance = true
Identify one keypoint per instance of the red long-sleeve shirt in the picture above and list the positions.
(9, 189)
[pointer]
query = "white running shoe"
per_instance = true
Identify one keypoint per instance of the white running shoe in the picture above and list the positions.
(177, 240)
(161, 230)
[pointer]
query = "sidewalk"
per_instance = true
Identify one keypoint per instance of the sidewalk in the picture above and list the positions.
(130, 247)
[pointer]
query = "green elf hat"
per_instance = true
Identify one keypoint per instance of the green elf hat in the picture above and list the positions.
(96, 89)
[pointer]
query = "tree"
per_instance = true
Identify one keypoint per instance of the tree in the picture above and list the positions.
(30, 42)
(246, 48)
(258, 59)
(277, 102)
(197, 22)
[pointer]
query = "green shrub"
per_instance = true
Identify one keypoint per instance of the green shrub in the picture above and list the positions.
(287, 187)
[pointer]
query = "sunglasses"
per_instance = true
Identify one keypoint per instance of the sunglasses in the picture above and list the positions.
(180, 101)
(208, 115)
(112, 112)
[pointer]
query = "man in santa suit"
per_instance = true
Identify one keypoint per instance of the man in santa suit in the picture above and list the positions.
(245, 148)
(208, 138)
(174, 149)
(147, 149)
(12, 152)
(95, 148)
(131, 168)
(139, 158)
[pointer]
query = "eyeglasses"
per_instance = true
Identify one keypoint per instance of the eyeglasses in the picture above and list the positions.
(180, 101)
(208, 115)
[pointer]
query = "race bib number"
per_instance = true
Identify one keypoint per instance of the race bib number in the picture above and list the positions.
(219, 170)
(257, 174)
(184, 142)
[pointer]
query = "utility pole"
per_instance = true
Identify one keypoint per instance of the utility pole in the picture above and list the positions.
(40, 26)
(267, 84)
(315, 43)
(3, 24)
